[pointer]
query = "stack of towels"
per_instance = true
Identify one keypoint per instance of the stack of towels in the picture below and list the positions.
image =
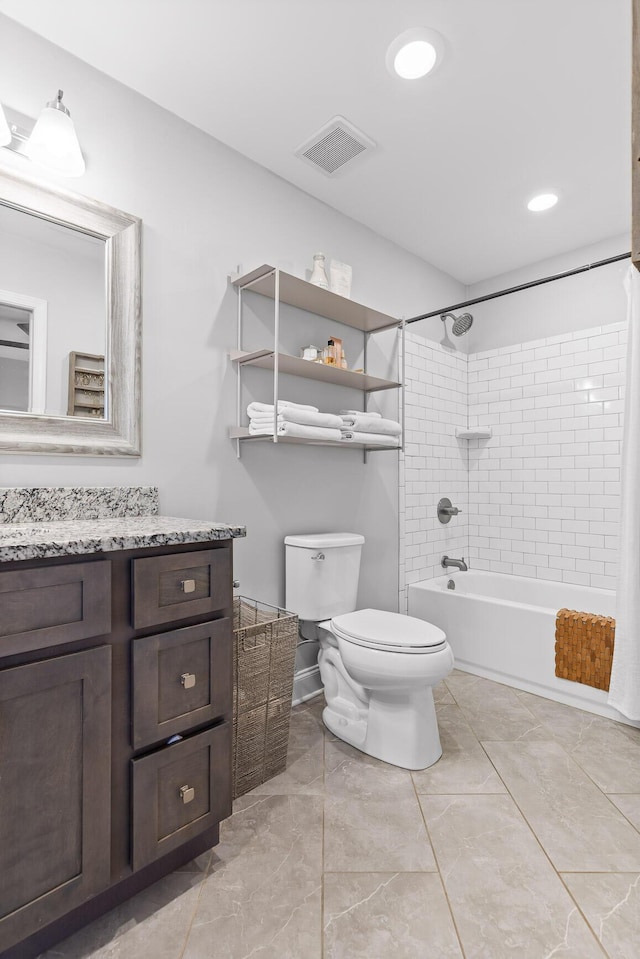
(369, 428)
(307, 422)
(294, 419)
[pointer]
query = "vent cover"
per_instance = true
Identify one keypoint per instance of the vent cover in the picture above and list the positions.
(335, 144)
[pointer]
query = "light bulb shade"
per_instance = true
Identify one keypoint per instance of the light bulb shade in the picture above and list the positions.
(54, 144)
(5, 132)
(415, 53)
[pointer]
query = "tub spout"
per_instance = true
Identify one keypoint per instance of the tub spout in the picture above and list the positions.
(460, 564)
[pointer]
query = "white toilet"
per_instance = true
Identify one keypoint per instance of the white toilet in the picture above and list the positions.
(378, 668)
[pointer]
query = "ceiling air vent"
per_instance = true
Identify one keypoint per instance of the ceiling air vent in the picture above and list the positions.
(335, 144)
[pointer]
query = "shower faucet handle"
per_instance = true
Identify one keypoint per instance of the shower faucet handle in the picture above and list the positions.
(446, 510)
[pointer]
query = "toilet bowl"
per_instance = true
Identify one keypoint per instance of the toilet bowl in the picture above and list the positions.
(378, 670)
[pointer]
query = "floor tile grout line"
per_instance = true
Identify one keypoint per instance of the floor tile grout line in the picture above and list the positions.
(196, 906)
(322, 870)
(605, 952)
(623, 814)
(439, 872)
(584, 771)
(529, 825)
(562, 746)
(551, 863)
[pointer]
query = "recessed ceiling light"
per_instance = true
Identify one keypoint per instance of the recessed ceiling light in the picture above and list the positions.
(543, 201)
(415, 53)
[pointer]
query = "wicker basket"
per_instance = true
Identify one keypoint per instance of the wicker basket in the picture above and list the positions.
(264, 649)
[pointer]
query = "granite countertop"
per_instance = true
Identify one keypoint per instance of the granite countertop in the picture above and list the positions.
(19, 541)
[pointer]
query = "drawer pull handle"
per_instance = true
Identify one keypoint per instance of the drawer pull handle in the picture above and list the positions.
(188, 585)
(188, 680)
(187, 794)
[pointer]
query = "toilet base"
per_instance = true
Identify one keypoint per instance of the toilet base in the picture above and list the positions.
(398, 727)
(403, 730)
(353, 732)
(402, 733)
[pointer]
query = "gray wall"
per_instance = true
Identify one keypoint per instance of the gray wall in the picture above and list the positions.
(207, 209)
(579, 302)
(565, 306)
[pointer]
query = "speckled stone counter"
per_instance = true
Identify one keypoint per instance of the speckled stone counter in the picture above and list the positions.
(19, 504)
(44, 540)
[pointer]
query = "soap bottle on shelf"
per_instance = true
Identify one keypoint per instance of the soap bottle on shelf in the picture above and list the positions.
(330, 353)
(319, 274)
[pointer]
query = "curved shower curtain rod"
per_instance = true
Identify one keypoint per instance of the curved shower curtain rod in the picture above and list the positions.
(523, 286)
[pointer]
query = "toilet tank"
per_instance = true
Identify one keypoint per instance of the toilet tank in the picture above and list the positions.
(321, 573)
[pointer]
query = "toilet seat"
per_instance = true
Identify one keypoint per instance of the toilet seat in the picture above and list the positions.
(392, 632)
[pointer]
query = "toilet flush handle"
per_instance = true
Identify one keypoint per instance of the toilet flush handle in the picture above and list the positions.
(318, 557)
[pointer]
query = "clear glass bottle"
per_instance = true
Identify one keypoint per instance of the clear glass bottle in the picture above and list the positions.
(329, 353)
(319, 274)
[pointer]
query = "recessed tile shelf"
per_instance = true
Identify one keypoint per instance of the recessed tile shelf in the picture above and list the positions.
(477, 433)
(242, 433)
(313, 371)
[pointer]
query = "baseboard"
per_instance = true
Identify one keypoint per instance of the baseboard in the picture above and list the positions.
(306, 684)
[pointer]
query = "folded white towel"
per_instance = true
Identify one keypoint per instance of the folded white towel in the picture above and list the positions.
(291, 414)
(365, 423)
(371, 439)
(359, 413)
(282, 404)
(297, 429)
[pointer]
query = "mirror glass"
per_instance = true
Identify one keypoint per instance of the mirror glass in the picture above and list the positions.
(53, 313)
(70, 322)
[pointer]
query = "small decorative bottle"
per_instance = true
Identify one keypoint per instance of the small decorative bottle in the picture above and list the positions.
(330, 353)
(319, 275)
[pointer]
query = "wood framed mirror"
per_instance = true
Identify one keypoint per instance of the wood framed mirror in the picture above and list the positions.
(79, 260)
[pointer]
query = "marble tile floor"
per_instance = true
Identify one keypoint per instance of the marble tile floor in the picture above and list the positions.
(522, 841)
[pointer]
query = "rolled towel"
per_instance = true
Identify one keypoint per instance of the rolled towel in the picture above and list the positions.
(298, 430)
(364, 423)
(291, 414)
(371, 439)
(282, 404)
(359, 413)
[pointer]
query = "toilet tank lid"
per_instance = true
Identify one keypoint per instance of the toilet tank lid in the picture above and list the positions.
(324, 540)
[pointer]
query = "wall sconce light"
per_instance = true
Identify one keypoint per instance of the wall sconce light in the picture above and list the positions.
(50, 142)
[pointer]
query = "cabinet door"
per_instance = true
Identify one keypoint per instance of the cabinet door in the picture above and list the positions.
(55, 758)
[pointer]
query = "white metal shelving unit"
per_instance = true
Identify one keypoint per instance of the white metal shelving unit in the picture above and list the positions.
(283, 287)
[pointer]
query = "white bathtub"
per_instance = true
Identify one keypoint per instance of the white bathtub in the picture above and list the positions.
(503, 627)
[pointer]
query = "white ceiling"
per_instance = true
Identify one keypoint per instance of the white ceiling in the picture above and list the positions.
(532, 95)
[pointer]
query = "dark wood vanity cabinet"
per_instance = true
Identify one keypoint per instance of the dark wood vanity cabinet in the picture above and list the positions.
(55, 773)
(115, 730)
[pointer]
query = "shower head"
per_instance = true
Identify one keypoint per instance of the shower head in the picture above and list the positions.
(461, 324)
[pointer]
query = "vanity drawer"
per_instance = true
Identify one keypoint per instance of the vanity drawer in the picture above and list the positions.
(179, 792)
(181, 679)
(51, 605)
(179, 585)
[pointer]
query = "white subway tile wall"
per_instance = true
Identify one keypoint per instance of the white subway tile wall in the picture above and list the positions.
(541, 498)
(434, 463)
(544, 491)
